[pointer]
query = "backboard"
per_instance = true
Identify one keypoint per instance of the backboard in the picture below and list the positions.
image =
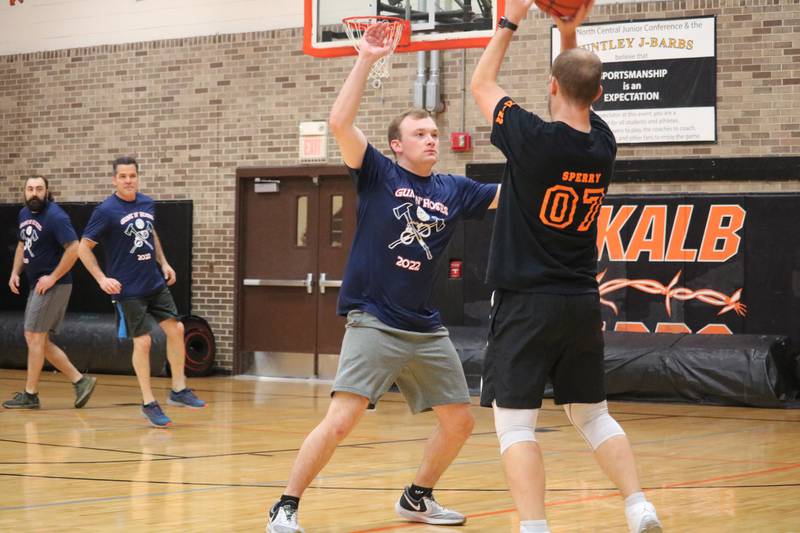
(435, 24)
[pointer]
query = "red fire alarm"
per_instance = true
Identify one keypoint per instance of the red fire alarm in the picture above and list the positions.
(455, 269)
(460, 141)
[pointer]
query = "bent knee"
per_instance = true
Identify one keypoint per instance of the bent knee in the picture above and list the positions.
(344, 413)
(459, 421)
(339, 425)
(33, 338)
(142, 342)
(172, 327)
(593, 422)
(514, 426)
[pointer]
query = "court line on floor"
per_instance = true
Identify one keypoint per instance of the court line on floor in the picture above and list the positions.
(676, 485)
(103, 500)
(202, 486)
(474, 404)
(169, 456)
(270, 453)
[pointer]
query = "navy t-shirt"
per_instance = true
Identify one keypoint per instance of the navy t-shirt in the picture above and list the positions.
(125, 229)
(545, 229)
(404, 223)
(44, 235)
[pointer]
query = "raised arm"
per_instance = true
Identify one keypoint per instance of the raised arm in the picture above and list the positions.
(485, 89)
(567, 27)
(351, 140)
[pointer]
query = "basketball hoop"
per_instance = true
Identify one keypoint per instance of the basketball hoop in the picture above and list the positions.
(355, 27)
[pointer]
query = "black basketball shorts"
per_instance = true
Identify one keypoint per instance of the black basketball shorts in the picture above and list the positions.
(537, 337)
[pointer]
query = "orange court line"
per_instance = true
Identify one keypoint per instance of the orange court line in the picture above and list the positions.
(598, 497)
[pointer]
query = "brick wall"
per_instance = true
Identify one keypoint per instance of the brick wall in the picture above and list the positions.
(193, 110)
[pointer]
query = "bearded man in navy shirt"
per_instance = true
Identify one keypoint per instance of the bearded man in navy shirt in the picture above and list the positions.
(406, 216)
(47, 251)
(136, 277)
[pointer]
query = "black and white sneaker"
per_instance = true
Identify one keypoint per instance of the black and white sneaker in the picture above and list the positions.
(283, 519)
(426, 510)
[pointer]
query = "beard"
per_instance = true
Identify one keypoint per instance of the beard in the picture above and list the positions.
(35, 203)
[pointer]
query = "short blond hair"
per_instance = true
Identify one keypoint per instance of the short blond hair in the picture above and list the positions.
(578, 72)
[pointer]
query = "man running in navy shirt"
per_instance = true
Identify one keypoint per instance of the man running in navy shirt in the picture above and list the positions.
(137, 275)
(406, 216)
(47, 250)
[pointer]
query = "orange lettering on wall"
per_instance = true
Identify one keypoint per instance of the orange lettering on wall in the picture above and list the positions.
(724, 221)
(608, 228)
(675, 249)
(650, 234)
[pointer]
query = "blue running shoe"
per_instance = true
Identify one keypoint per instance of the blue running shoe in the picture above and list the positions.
(152, 411)
(185, 398)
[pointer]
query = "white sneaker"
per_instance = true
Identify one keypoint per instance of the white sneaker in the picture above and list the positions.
(427, 510)
(642, 518)
(283, 519)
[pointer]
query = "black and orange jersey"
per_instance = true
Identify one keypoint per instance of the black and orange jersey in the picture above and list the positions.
(554, 182)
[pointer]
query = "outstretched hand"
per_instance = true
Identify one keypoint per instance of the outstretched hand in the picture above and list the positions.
(517, 10)
(569, 25)
(377, 41)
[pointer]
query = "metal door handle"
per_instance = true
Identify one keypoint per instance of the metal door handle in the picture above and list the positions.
(308, 283)
(325, 282)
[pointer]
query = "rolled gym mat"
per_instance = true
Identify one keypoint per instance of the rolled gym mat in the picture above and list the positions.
(91, 343)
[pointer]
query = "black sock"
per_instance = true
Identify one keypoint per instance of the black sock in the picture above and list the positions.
(294, 501)
(32, 394)
(418, 492)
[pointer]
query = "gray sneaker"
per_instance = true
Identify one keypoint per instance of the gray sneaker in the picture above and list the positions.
(84, 388)
(427, 510)
(283, 519)
(23, 400)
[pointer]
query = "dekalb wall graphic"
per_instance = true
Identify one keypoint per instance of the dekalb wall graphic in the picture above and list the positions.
(659, 78)
(700, 264)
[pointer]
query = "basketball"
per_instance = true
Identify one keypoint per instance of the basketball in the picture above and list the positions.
(561, 8)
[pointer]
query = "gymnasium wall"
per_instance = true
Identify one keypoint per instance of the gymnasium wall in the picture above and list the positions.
(194, 109)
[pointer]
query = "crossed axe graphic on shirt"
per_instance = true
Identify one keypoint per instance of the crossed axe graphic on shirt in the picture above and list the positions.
(140, 236)
(29, 240)
(418, 231)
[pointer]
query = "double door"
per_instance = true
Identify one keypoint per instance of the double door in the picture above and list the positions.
(294, 231)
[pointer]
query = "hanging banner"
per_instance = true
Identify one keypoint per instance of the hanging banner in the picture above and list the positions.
(700, 264)
(659, 78)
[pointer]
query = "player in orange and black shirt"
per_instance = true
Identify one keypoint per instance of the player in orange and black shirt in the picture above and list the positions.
(546, 321)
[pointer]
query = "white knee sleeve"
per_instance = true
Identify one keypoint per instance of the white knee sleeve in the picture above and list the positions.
(593, 422)
(514, 425)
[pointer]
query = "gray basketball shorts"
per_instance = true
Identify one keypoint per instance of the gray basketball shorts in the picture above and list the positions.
(44, 313)
(425, 366)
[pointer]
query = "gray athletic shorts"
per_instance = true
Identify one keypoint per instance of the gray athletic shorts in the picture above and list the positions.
(425, 366)
(44, 313)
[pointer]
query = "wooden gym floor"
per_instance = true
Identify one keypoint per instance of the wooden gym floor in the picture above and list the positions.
(102, 468)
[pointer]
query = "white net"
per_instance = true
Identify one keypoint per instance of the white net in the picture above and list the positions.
(355, 28)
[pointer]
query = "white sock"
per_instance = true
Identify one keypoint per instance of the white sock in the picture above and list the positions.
(533, 526)
(634, 499)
